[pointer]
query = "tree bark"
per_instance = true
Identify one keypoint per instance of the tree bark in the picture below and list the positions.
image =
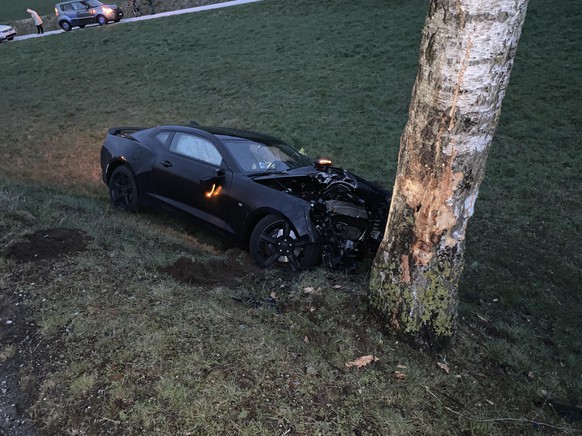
(466, 54)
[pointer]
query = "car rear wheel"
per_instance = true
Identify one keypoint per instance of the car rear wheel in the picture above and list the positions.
(123, 190)
(274, 242)
(66, 26)
(102, 20)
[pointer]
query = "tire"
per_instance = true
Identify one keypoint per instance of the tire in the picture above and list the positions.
(274, 242)
(117, 20)
(102, 20)
(123, 190)
(81, 26)
(66, 26)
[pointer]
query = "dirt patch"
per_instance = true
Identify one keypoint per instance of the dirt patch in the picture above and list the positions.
(23, 355)
(230, 272)
(48, 244)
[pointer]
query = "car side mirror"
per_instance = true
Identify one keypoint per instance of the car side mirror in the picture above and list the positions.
(211, 185)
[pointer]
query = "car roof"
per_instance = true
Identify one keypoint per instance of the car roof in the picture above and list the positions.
(219, 132)
(236, 133)
(69, 1)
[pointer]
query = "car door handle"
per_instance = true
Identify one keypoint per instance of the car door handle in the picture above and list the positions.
(166, 163)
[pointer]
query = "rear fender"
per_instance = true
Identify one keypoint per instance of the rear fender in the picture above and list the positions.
(112, 165)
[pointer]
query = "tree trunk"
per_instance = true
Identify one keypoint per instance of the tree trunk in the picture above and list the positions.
(466, 54)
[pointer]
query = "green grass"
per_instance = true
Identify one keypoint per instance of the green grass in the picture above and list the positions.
(16, 10)
(142, 353)
(297, 74)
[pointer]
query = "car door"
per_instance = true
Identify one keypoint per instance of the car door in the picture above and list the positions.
(83, 16)
(190, 173)
(69, 11)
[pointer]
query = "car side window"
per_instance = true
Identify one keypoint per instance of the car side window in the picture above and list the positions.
(66, 7)
(163, 136)
(195, 147)
(79, 6)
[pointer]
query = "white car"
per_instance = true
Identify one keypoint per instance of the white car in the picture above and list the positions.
(7, 33)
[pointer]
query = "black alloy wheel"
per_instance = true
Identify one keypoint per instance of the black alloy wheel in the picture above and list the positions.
(123, 190)
(274, 242)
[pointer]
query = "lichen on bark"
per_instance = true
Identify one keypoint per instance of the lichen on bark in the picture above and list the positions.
(419, 303)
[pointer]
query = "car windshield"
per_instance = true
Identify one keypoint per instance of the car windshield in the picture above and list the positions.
(260, 158)
(93, 3)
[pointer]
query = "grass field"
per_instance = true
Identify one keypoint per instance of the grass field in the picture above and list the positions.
(111, 343)
(12, 10)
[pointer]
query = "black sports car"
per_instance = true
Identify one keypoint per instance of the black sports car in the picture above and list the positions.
(272, 199)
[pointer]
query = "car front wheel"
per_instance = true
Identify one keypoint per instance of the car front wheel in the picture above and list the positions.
(274, 242)
(66, 26)
(102, 20)
(123, 190)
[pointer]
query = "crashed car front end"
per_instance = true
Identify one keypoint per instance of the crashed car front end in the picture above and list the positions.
(350, 217)
(347, 213)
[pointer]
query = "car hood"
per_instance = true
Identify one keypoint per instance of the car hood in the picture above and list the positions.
(4, 27)
(312, 184)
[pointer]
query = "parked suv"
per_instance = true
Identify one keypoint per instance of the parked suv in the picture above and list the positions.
(82, 12)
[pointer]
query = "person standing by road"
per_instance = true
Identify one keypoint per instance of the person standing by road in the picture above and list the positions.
(37, 21)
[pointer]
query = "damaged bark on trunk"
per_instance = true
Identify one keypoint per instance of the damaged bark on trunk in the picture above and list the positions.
(467, 51)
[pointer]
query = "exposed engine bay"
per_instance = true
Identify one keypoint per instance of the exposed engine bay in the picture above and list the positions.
(348, 214)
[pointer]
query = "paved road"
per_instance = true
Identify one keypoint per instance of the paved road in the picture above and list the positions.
(151, 17)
